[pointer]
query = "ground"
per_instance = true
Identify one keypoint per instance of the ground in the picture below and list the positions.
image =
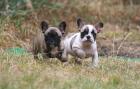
(26, 73)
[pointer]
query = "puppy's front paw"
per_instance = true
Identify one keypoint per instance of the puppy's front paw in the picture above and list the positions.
(65, 63)
(78, 61)
(94, 66)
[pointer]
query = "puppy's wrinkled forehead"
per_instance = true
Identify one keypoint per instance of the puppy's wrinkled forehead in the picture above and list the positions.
(53, 29)
(88, 28)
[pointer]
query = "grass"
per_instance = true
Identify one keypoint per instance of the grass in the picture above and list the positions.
(26, 73)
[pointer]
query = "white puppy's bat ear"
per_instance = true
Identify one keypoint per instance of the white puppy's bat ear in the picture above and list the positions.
(44, 26)
(99, 26)
(62, 27)
(80, 23)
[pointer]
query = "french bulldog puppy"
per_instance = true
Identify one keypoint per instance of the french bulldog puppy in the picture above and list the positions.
(48, 42)
(83, 43)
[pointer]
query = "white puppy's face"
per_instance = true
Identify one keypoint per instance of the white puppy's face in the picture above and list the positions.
(88, 33)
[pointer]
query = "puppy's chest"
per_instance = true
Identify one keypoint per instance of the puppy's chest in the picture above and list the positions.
(89, 51)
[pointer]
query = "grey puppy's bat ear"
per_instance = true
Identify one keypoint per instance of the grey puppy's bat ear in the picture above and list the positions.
(44, 26)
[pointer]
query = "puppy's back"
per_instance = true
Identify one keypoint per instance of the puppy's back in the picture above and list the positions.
(38, 43)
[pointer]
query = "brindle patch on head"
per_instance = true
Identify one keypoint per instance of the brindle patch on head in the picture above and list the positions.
(93, 34)
(84, 32)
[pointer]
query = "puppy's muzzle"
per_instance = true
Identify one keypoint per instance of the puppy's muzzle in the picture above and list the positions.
(54, 52)
(88, 37)
(52, 46)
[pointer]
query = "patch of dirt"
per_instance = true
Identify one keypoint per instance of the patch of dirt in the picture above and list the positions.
(125, 43)
(128, 49)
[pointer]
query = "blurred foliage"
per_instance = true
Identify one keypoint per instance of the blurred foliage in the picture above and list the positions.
(89, 9)
(18, 7)
(12, 7)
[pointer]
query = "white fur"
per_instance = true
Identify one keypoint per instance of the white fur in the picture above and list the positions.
(77, 49)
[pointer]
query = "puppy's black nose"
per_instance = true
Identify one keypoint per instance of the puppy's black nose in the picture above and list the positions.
(63, 33)
(88, 37)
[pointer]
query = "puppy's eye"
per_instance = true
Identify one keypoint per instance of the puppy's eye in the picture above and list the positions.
(86, 31)
(93, 33)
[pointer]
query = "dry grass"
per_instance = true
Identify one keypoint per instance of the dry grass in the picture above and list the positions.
(23, 72)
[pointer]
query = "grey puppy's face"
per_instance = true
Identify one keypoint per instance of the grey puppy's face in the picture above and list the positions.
(88, 31)
(53, 36)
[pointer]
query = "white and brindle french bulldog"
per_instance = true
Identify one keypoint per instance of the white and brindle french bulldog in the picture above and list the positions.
(48, 41)
(83, 44)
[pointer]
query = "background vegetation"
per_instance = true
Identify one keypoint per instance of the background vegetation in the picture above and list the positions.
(20, 21)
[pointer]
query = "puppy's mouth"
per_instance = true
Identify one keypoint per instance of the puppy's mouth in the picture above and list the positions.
(52, 46)
(52, 52)
(88, 41)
